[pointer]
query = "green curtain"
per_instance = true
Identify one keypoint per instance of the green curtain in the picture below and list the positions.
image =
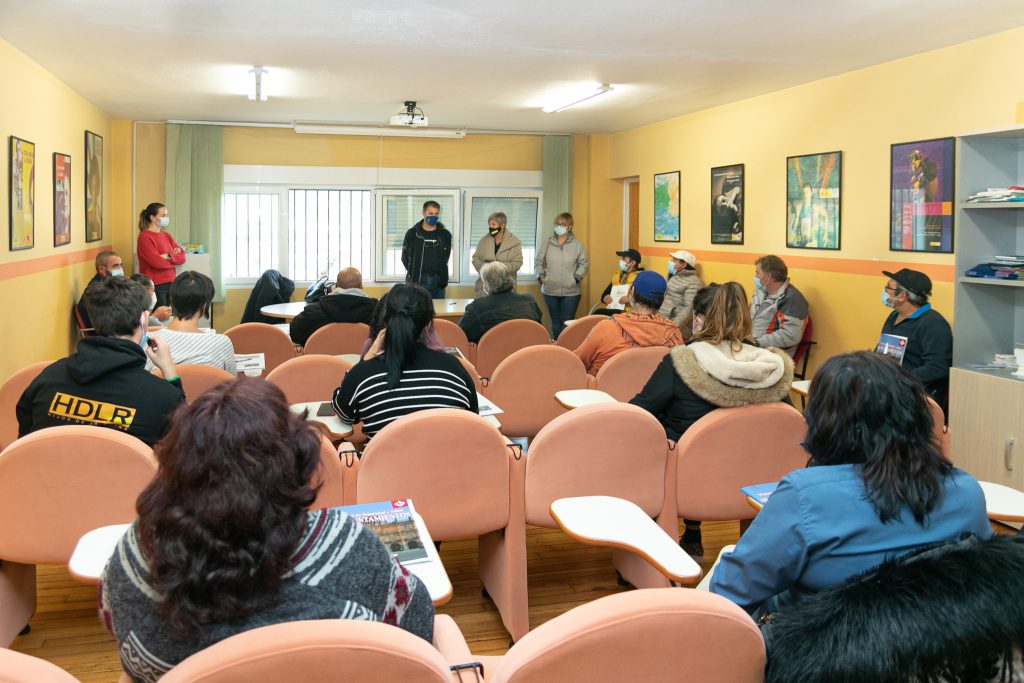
(195, 188)
(557, 179)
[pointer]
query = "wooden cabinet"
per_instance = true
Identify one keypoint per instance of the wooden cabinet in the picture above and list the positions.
(988, 432)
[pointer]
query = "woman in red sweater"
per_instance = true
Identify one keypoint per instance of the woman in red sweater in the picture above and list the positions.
(158, 252)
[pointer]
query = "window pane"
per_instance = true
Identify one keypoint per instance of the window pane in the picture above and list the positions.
(522, 217)
(329, 230)
(401, 212)
(249, 234)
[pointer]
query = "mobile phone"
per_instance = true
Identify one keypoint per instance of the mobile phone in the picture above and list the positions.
(325, 410)
(152, 343)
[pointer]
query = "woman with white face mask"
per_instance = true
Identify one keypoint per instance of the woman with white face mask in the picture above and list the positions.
(158, 315)
(560, 265)
(158, 252)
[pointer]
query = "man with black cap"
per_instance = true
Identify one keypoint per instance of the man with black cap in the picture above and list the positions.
(629, 268)
(924, 334)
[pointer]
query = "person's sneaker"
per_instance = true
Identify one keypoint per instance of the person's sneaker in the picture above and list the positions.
(692, 548)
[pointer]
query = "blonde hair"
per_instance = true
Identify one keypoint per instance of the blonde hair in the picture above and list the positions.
(567, 217)
(728, 317)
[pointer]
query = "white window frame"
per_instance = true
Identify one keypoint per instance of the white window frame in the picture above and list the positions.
(453, 225)
(282, 223)
(468, 248)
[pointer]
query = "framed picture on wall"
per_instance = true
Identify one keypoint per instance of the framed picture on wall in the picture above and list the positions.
(21, 193)
(666, 207)
(61, 199)
(93, 187)
(727, 204)
(813, 200)
(921, 196)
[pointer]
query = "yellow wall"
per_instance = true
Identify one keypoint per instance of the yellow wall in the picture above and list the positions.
(38, 286)
(935, 94)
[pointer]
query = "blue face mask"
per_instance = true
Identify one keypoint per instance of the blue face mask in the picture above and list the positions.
(431, 220)
(886, 300)
(757, 283)
(144, 341)
(622, 265)
(561, 230)
(671, 268)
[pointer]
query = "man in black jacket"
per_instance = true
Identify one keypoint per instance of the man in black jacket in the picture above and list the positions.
(348, 303)
(500, 304)
(105, 383)
(425, 251)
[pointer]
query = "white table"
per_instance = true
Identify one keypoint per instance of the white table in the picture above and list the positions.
(577, 398)
(95, 548)
(618, 523)
(450, 308)
(1004, 504)
(287, 311)
(801, 387)
(333, 423)
(351, 358)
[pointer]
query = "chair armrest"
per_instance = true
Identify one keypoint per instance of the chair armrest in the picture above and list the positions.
(449, 641)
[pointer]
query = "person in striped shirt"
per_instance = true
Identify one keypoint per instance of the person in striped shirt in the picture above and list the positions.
(191, 300)
(399, 375)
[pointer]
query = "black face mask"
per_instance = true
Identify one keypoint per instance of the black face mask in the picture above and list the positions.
(494, 231)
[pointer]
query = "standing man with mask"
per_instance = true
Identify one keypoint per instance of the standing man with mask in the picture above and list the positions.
(777, 309)
(108, 264)
(927, 338)
(425, 251)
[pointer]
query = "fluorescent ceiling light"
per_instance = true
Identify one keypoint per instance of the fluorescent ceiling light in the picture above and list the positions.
(331, 129)
(258, 87)
(600, 91)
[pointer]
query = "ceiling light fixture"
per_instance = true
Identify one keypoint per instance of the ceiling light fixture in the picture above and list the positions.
(416, 132)
(600, 91)
(257, 89)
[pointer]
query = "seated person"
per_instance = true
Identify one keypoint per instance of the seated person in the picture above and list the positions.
(108, 264)
(105, 383)
(499, 303)
(641, 326)
(429, 338)
(629, 268)
(191, 300)
(158, 315)
(777, 308)
(225, 542)
(877, 486)
(399, 375)
(348, 303)
(683, 285)
(718, 369)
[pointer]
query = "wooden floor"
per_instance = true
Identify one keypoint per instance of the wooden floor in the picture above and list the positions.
(562, 574)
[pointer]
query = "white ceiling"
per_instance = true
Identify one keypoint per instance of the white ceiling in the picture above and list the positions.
(471, 64)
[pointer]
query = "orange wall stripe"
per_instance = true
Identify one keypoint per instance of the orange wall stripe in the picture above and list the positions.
(937, 272)
(44, 263)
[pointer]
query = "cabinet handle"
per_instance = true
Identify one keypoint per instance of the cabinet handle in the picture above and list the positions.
(1008, 453)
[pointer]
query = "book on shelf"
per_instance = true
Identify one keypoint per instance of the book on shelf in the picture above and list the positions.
(395, 524)
(1013, 193)
(760, 492)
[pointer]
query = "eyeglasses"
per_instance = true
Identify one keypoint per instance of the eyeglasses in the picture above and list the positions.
(892, 289)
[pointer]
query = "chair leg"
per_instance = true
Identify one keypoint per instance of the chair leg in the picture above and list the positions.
(17, 599)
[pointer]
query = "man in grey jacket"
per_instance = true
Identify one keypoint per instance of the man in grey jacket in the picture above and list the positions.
(777, 309)
(560, 265)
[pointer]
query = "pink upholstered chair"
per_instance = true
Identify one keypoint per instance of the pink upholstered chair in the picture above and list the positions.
(574, 334)
(16, 667)
(10, 392)
(473, 374)
(941, 431)
(272, 342)
(607, 449)
(316, 652)
(504, 339)
(466, 480)
(55, 485)
(626, 373)
(337, 338)
(195, 379)
(452, 335)
(524, 386)
(733, 447)
(659, 635)
(309, 377)
(331, 477)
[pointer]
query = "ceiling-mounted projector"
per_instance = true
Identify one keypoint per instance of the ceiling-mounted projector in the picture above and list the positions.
(412, 116)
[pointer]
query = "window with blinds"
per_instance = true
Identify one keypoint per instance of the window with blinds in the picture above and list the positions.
(329, 230)
(250, 234)
(522, 209)
(399, 210)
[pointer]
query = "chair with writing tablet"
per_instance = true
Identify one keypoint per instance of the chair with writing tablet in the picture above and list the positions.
(473, 374)
(466, 480)
(524, 386)
(575, 332)
(56, 484)
(309, 378)
(274, 344)
(626, 373)
(330, 476)
(17, 667)
(504, 339)
(452, 336)
(10, 392)
(335, 339)
(197, 379)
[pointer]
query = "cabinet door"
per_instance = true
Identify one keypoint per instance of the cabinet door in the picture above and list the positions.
(985, 422)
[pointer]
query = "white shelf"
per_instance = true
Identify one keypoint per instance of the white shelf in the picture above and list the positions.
(991, 205)
(990, 281)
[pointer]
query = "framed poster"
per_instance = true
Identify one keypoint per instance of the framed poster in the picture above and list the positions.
(921, 196)
(21, 193)
(93, 187)
(61, 199)
(666, 207)
(727, 204)
(813, 200)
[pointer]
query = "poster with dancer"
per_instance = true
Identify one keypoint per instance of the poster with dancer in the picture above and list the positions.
(921, 196)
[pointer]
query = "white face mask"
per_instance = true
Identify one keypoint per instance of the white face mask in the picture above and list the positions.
(152, 301)
(117, 272)
(561, 230)
(164, 221)
(622, 266)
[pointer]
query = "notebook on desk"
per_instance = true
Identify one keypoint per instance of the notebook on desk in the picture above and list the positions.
(395, 525)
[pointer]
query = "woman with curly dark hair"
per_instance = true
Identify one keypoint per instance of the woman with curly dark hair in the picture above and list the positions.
(224, 542)
(876, 487)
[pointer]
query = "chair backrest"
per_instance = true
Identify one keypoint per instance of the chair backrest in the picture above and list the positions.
(316, 652)
(309, 378)
(473, 374)
(10, 392)
(803, 348)
(734, 447)
(607, 449)
(451, 463)
(452, 335)
(524, 387)
(626, 373)
(656, 635)
(58, 483)
(195, 379)
(574, 334)
(16, 667)
(273, 343)
(504, 339)
(335, 339)
(331, 478)
(939, 427)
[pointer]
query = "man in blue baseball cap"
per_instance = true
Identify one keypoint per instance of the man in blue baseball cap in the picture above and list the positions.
(641, 326)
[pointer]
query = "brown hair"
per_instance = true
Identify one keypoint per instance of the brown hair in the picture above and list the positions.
(728, 318)
(774, 266)
(567, 217)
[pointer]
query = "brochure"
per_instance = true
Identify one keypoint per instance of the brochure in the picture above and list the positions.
(760, 492)
(892, 345)
(394, 524)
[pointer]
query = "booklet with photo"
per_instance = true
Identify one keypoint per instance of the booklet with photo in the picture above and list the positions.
(760, 492)
(618, 291)
(395, 525)
(892, 345)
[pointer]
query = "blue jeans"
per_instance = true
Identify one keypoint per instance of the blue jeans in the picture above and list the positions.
(561, 308)
(432, 283)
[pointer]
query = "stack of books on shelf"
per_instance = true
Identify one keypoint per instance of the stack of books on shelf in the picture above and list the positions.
(1013, 193)
(1002, 267)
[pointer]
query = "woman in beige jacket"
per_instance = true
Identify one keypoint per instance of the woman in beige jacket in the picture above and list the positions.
(497, 245)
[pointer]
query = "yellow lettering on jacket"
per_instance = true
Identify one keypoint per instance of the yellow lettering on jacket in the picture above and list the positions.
(78, 409)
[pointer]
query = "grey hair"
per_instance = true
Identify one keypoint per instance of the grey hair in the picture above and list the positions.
(913, 297)
(498, 217)
(496, 278)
